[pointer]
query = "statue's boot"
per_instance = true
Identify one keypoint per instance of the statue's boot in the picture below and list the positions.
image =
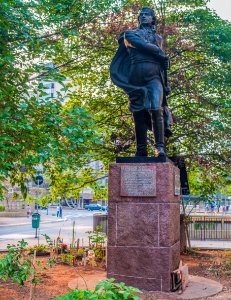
(141, 129)
(158, 130)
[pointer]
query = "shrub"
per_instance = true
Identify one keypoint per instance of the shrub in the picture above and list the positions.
(197, 226)
(104, 290)
(48, 240)
(40, 249)
(228, 255)
(100, 253)
(2, 208)
(68, 259)
(17, 266)
(80, 252)
(14, 265)
(97, 238)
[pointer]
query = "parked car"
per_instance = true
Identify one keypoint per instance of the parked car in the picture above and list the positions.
(42, 207)
(94, 207)
(105, 208)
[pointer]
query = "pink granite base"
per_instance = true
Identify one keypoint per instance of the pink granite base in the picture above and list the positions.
(144, 232)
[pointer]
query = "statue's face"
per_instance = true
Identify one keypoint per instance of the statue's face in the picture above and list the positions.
(145, 17)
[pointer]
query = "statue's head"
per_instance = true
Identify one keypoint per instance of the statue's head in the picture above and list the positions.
(147, 16)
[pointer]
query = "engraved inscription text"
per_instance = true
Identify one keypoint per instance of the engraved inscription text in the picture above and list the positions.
(138, 181)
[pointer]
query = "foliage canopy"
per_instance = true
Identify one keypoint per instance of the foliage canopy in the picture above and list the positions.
(80, 39)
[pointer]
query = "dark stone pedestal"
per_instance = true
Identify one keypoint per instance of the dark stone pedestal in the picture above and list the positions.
(142, 159)
(143, 224)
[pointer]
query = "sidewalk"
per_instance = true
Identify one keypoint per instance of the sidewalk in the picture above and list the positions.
(6, 222)
(44, 218)
(13, 229)
(211, 244)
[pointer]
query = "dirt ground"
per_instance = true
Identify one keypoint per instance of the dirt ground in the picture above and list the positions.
(54, 281)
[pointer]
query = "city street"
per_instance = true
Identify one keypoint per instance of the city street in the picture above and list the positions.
(14, 229)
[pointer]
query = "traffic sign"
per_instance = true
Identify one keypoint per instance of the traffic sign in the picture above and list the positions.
(38, 179)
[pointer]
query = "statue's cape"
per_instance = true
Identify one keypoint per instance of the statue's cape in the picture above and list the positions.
(119, 70)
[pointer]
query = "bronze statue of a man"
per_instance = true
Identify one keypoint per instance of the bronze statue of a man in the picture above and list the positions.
(139, 68)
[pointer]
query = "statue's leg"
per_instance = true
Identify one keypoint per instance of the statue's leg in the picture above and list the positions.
(158, 130)
(156, 111)
(141, 128)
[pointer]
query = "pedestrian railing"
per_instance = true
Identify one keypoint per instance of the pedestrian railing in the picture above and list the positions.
(210, 228)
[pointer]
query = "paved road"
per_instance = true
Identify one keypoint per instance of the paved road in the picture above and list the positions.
(14, 229)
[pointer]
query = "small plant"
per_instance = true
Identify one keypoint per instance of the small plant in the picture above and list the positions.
(15, 265)
(18, 267)
(49, 241)
(104, 290)
(59, 242)
(2, 208)
(40, 250)
(228, 272)
(80, 252)
(64, 248)
(57, 245)
(197, 226)
(97, 238)
(68, 259)
(100, 254)
(228, 262)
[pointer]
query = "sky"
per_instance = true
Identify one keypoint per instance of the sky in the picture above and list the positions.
(222, 8)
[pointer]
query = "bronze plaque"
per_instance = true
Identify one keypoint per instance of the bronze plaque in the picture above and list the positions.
(138, 181)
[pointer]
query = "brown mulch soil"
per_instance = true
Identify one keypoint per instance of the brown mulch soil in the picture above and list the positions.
(211, 264)
(54, 281)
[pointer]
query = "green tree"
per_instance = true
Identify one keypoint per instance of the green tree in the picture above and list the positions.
(36, 129)
(80, 38)
(197, 41)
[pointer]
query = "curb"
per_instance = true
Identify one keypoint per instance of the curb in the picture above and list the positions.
(212, 248)
(42, 222)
